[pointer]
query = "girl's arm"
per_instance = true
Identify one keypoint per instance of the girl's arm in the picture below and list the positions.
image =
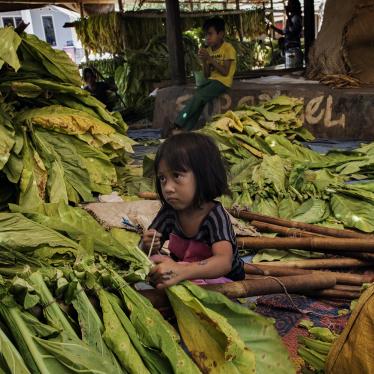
(168, 272)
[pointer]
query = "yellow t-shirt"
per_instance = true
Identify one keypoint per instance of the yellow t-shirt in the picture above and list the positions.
(225, 52)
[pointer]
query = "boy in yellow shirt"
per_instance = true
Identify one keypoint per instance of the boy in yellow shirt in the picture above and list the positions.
(219, 65)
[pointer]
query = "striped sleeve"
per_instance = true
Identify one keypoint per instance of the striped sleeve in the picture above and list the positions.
(220, 227)
(163, 223)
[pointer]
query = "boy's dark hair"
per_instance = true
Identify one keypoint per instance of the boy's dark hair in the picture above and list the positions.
(198, 153)
(216, 22)
(87, 72)
(294, 7)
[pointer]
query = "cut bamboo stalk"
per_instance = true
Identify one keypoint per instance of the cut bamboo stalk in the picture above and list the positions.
(272, 285)
(347, 287)
(316, 244)
(321, 263)
(246, 288)
(148, 195)
(298, 225)
(282, 230)
(359, 255)
(334, 294)
(258, 270)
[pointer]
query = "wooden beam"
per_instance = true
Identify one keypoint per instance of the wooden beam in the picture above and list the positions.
(309, 26)
(175, 42)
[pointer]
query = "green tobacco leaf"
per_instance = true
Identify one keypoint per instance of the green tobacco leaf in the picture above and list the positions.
(33, 178)
(78, 224)
(262, 338)
(64, 120)
(7, 138)
(11, 356)
(154, 362)
(117, 339)
(287, 208)
(25, 89)
(153, 331)
(69, 164)
(21, 234)
(353, 212)
(215, 345)
(267, 207)
(10, 41)
(312, 211)
(56, 62)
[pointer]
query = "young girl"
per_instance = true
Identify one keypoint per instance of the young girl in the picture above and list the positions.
(190, 175)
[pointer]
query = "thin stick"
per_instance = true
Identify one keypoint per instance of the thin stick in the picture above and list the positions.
(153, 242)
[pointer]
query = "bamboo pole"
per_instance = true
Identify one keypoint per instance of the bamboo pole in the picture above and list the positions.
(347, 287)
(259, 270)
(317, 244)
(334, 294)
(246, 288)
(323, 263)
(249, 216)
(284, 231)
(272, 285)
(148, 195)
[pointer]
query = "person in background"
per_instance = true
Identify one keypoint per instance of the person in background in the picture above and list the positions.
(190, 175)
(292, 31)
(102, 91)
(219, 65)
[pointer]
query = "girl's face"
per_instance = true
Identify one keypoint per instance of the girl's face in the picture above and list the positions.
(178, 187)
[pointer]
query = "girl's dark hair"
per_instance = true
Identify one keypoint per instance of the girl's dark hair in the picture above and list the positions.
(217, 23)
(198, 153)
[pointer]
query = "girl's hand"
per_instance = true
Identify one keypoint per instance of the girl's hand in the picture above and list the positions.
(166, 272)
(148, 238)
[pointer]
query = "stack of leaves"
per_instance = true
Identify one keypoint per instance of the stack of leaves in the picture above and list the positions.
(274, 174)
(57, 234)
(57, 141)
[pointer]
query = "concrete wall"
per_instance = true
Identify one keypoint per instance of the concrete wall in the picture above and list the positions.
(328, 113)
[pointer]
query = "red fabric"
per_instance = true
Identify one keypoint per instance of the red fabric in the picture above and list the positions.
(187, 250)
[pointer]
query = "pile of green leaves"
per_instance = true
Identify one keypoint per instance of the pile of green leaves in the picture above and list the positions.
(57, 234)
(224, 336)
(314, 349)
(273, 173)
(67, 306)
(122, 333)
(57, 142)
(135, 77)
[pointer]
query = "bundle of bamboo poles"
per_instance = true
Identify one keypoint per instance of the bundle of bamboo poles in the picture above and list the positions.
(352, 250)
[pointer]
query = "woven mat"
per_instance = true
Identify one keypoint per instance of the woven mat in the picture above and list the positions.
(287, 317)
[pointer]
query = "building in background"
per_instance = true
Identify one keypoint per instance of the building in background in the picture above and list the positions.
(47, 24)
